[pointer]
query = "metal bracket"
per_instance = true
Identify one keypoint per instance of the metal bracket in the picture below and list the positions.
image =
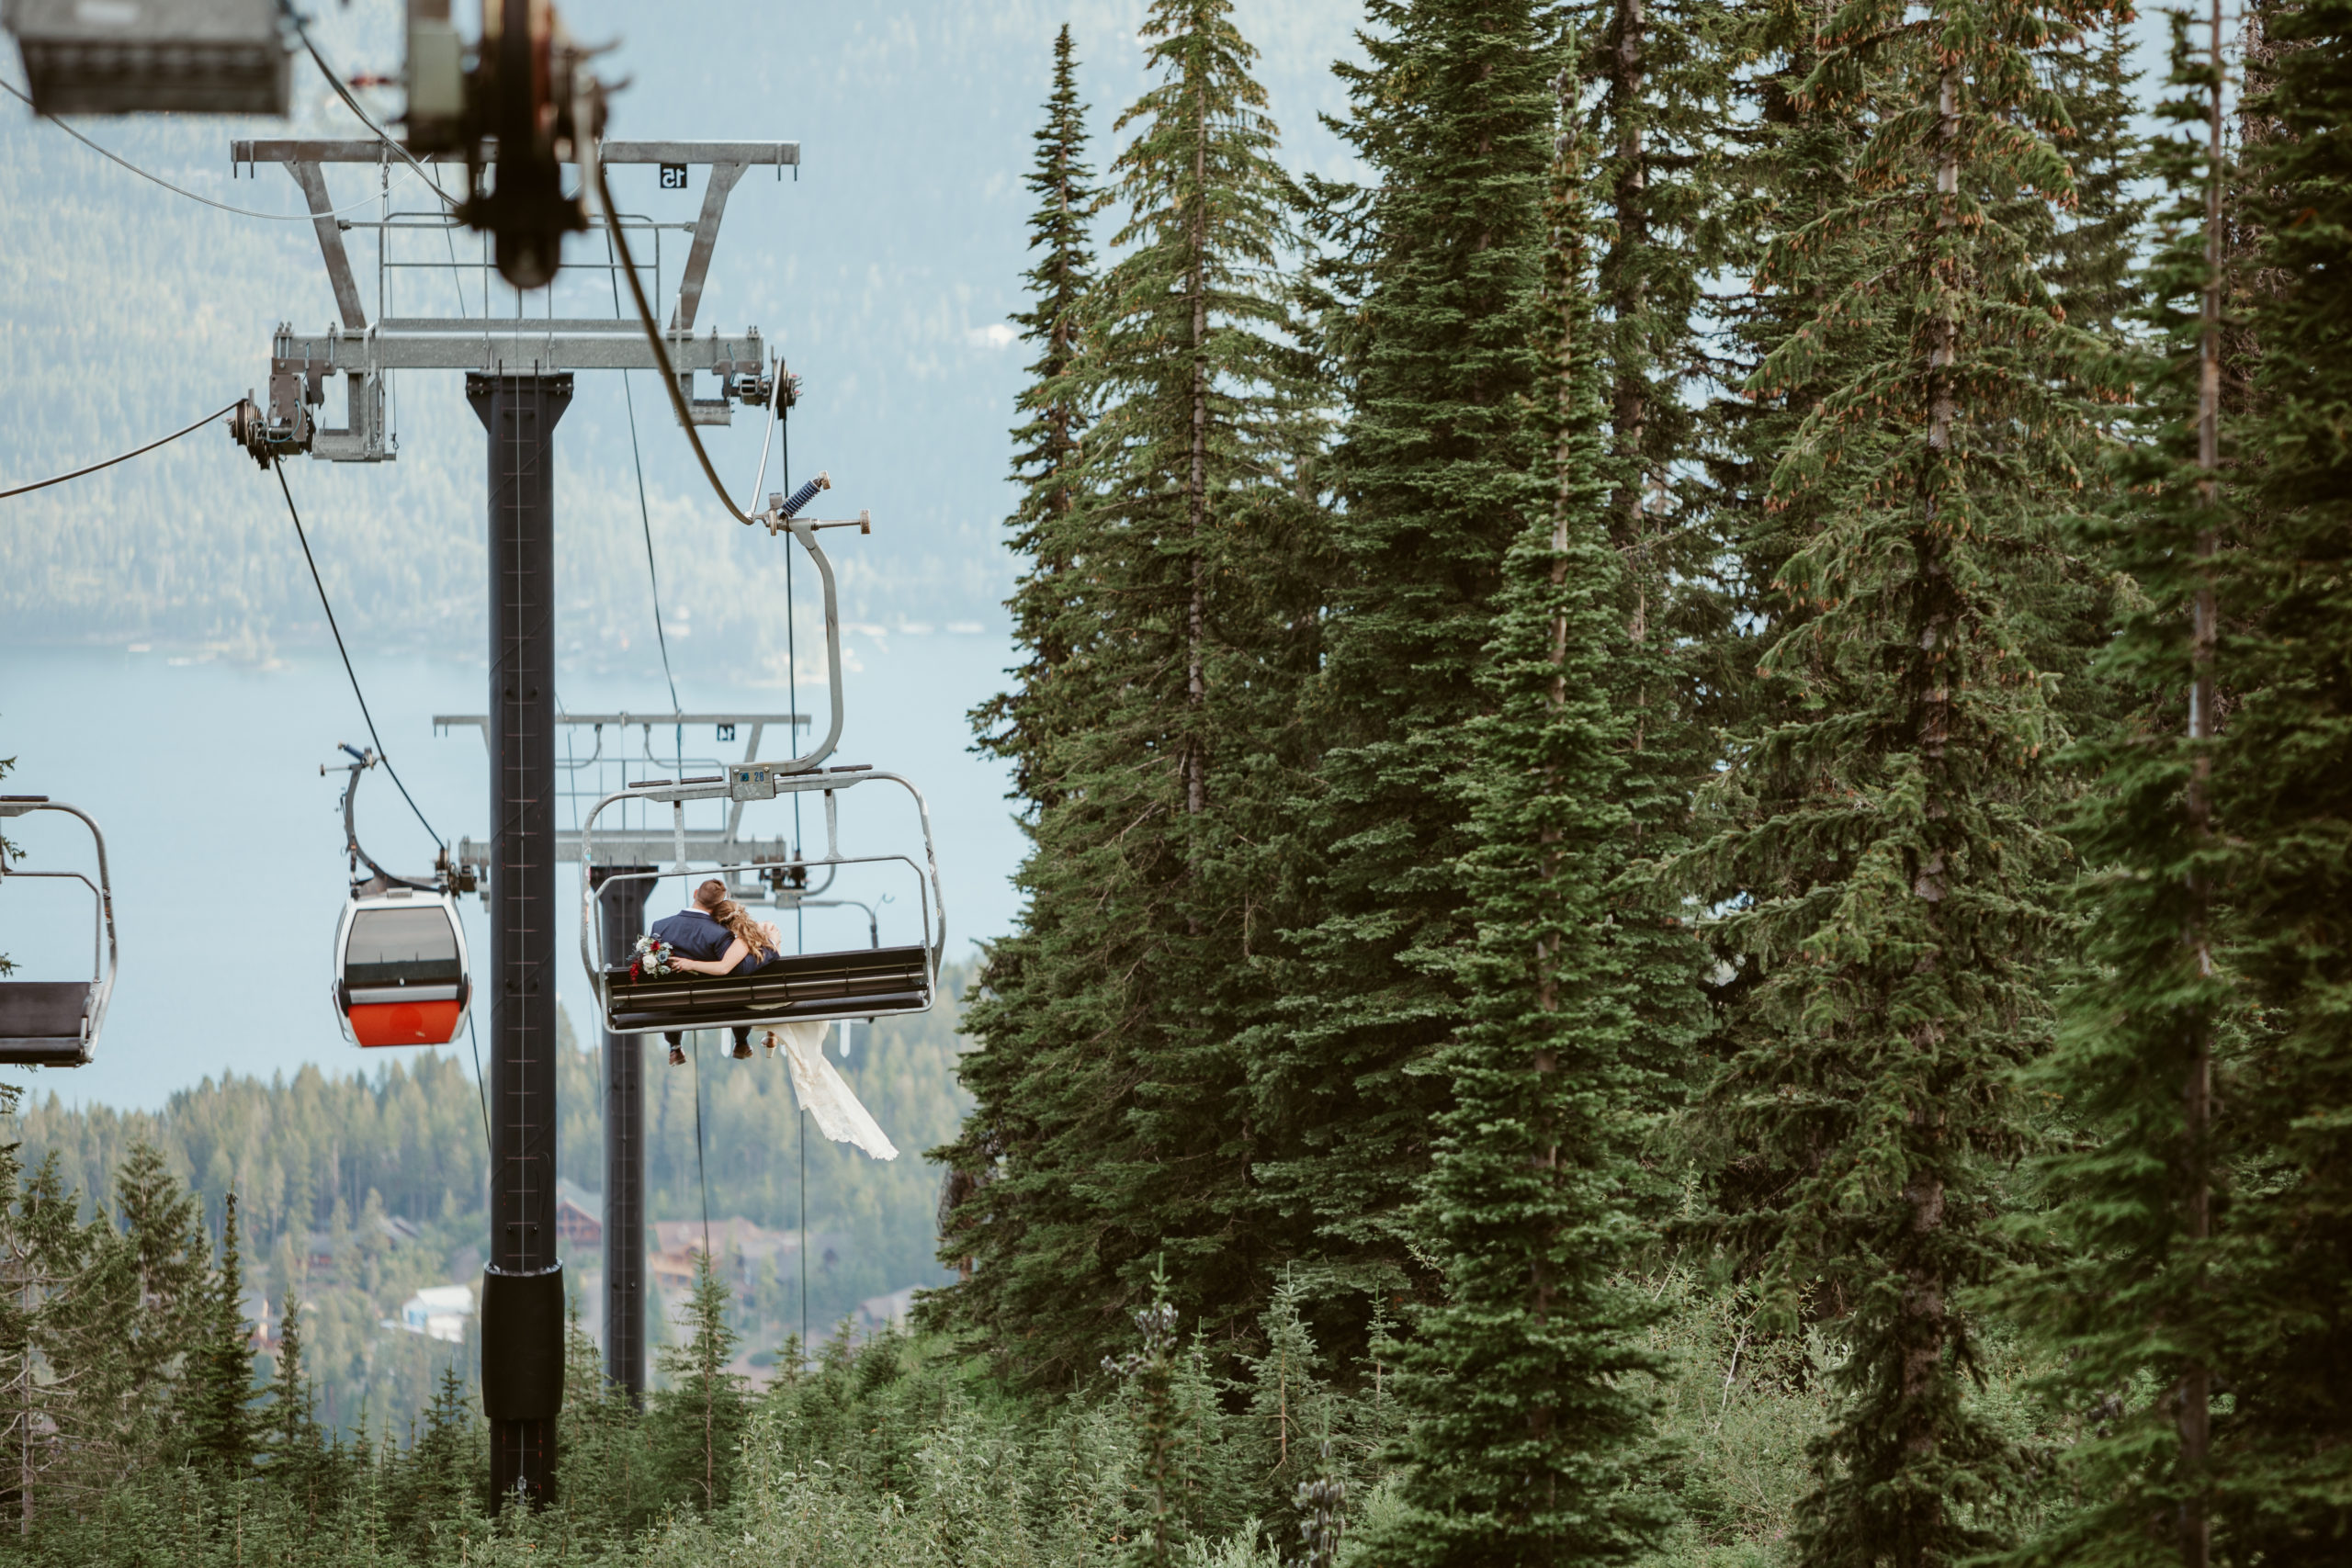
(322, 219)
(298, 373)
(363, 353)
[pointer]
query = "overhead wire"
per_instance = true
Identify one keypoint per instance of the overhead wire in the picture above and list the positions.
(153, 178)
(490, 1145)
(644, 514)
(302, 31)
(277, 466)
(124, 457)
(653, 333)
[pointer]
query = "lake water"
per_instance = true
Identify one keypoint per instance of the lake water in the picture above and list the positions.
(226, 845)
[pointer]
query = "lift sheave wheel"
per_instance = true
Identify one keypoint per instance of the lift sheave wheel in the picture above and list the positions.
(400, 969)
(56, 1023)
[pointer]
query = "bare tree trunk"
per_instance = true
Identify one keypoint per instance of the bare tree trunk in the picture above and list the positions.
(1197, 483)
(1924, 1302)
(2196, 1393)
(1629, 415)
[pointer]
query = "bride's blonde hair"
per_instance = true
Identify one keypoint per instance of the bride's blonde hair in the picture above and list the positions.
(739, 924)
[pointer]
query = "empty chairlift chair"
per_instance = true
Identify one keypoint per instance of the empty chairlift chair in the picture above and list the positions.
(56, 1023)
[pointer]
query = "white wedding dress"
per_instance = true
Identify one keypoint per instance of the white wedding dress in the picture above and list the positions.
(824, 1096)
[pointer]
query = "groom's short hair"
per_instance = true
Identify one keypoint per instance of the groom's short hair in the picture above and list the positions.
(710, 895)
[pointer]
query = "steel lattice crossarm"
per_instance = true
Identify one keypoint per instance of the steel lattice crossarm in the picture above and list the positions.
(653, 846)
(650, 845)
(363, 351)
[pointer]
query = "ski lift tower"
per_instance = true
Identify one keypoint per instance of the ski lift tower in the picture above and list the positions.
(518, 379)
(622, 748)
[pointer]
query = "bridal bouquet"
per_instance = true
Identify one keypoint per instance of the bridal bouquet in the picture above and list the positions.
(652, 958)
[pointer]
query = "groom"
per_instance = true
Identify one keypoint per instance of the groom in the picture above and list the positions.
(696, 933)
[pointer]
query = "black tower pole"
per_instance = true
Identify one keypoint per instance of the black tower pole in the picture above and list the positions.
(521, 1307)
(624, 922)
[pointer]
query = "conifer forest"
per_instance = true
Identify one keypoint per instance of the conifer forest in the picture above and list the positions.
(1686, 759)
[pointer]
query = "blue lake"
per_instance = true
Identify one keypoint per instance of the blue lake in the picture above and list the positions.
(226, 843)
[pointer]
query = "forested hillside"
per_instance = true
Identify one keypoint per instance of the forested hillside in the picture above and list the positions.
(319, 1164)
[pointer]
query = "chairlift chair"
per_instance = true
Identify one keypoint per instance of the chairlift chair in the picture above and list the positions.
(402, 974)
(56, 1023)
(870, 982)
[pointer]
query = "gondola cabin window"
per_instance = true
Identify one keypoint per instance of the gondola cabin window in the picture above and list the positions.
(402, 947)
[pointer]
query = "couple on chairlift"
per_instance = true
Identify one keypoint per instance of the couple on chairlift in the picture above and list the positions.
(718, 936)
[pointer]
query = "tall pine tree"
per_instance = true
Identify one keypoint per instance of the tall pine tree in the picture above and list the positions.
(1437, 471)
(1048, 616)
(215, 1425)
(1664, 81)
(2128, 1300)
(1525, 1381)
(1111, 1115)
(1883, 838)
(2280, 1471)
(696, 1424)
(1046, 459)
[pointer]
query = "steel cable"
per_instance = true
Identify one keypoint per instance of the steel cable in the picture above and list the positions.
(182, 190)
(351, 104)
(110, 462)
(653, 333)
(277, 466)
(644, 514)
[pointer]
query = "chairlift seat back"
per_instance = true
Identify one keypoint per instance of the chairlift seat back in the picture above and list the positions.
(56, 1023)
(866, 982)
(45, 1023)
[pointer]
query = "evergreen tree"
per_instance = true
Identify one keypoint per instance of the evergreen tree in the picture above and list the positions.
(1665, 84)
(292, 1440)
(437, 1485)
(1291, 1404)
(1166, 1505)
(696, 1424)
(1436, 473)
(77, 1335)
(607, 1482)
(2126, 1299)
(2091, 269)
(160, 1267)
(25, 1281)
(1883, 843)
(1524, 1381)
(2278, 1144)
(215, 1416)
(1047, 623)
(1047, 443)
(1111, 1114)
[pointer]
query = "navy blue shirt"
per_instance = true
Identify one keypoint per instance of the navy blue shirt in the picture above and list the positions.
(693, 934)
